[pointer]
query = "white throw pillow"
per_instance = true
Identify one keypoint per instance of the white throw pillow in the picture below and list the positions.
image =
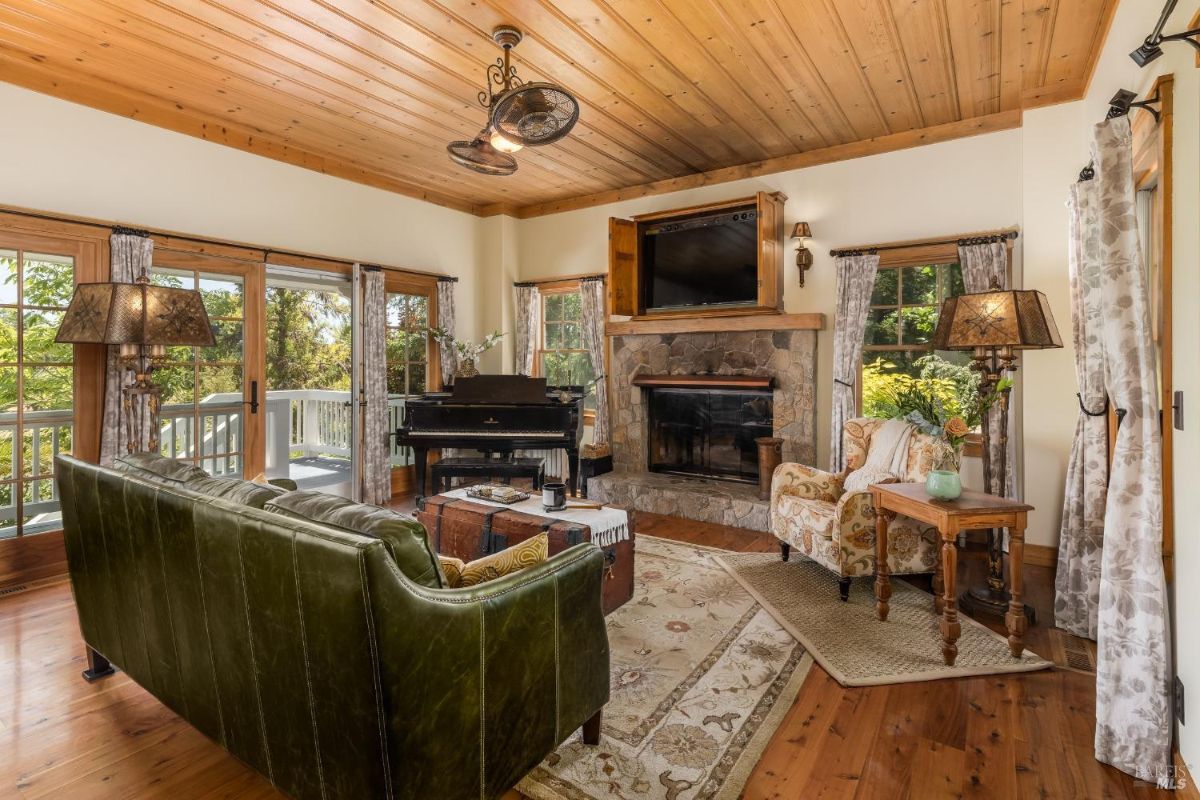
(861, 478)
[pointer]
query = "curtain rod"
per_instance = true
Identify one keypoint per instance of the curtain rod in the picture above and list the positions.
(974, 238)
(266, 251)
(590, 276)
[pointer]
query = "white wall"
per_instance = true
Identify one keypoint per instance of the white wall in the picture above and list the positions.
(64, 158)
(950, 188)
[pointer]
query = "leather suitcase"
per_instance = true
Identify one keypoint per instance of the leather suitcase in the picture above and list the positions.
(466, 530)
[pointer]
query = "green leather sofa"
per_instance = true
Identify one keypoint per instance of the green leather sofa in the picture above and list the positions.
(309, 653)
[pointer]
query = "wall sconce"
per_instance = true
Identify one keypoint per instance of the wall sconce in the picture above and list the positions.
(802, 233)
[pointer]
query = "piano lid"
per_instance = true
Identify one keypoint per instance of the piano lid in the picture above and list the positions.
(515, 389)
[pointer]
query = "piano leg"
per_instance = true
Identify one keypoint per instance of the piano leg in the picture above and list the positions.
(573, 470)
(420, 455)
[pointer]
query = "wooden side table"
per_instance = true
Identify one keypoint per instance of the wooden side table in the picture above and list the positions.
(971, 511)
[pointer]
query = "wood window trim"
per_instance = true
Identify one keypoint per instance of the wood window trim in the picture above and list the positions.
(565, 286)
(1153, 145)
(399, 282)
(943, 250)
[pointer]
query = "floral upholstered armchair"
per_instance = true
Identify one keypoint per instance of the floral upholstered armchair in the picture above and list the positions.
(811, 511)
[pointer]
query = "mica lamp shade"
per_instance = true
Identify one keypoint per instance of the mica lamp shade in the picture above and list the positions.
(135, 313)
(1016, 319)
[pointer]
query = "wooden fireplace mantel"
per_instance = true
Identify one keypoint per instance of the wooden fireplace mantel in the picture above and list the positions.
(715, 324)
(704, 381)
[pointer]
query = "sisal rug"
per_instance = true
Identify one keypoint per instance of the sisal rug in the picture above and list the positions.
(702, 676)
(855, 647)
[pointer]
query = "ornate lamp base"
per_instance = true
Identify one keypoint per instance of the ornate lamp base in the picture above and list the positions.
(986, 601)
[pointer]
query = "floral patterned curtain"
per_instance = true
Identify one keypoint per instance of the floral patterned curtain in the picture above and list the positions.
(130, 256)
(1077, 581)
(528, 322)
(1133, 711)
(593, 306)
(377, 466)
(855, 283)
(984, 265)
(447, 357)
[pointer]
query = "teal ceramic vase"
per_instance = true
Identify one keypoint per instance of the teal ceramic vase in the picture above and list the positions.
(943, 484)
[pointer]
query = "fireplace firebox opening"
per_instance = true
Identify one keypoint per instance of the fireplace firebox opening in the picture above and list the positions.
(708, 432)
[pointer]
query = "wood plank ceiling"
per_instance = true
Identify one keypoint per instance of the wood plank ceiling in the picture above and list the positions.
(670, 89)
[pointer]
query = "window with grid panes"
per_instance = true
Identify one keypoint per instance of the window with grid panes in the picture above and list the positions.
(407, 344)
(36, 388)
(904, 314)
(562, 358)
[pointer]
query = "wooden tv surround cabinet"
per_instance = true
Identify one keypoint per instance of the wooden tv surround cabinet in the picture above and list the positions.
(627, 277)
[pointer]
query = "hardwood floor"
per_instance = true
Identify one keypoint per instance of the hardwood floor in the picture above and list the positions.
(1016, 736)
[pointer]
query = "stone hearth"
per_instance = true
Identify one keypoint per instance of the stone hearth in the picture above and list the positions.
(788, 357)
(723, 502)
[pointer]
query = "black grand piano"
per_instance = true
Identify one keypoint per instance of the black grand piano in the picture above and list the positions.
(495, 414)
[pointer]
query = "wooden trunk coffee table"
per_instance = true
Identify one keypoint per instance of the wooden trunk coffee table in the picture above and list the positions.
(971, 511)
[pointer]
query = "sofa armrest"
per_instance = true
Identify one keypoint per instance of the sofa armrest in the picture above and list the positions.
(481, 683)
(807, 482)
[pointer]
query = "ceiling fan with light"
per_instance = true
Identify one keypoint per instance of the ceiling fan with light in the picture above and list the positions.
(519, 115)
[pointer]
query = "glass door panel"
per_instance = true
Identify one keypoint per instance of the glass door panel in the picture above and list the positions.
(36, 387)
(308, 358)
(204, 388)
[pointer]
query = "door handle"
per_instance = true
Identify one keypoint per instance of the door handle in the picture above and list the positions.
(253, 397)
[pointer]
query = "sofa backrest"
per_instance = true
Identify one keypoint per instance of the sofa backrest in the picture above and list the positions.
(923, 449)
(257, 628)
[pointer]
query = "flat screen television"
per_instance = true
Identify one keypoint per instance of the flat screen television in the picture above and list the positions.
(703, 260)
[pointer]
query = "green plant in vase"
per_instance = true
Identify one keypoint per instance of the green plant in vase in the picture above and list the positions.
(466, 351)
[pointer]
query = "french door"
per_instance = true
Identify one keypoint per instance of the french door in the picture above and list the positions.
(212, 397)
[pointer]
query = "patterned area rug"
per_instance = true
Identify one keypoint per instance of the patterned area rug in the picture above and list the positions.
(702, 676)
(855, 647)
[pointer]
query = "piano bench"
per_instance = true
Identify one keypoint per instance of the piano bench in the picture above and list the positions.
(482, 468)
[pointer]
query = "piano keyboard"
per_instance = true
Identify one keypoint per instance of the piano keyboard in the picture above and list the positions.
(508, 433)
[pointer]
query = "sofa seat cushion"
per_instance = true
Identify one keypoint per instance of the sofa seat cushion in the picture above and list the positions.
(235, 490)
(405, 537)
(158, 469)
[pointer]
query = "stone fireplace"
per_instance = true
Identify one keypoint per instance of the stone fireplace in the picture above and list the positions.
(775, 365)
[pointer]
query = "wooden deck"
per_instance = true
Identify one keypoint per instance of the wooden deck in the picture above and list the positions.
(1015, 736)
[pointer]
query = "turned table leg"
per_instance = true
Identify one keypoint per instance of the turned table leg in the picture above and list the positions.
(1015, 618)
(939, 585)
(883, 586)
(950, 626)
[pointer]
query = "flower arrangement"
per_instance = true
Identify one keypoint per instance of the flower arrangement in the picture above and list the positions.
(463, 348)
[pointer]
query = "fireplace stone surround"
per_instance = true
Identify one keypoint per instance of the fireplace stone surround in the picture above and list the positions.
(787, 357)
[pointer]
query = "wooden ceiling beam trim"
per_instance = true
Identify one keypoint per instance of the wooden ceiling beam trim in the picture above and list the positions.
(27, 69)
(1005, 120)
(798, 70)
(382, 162)
(469, 62)
(565, 51)
(711, 117)
(728, 46)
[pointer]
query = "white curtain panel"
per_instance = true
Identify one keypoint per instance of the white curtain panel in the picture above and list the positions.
(130, 256)
(984, 265)
(1133, 709)
(377, 467)
(529, 320)
(594, 308)
(855, 283)
(1077, 581)
(447, 357)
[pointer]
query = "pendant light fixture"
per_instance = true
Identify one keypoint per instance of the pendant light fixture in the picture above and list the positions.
(519, 115)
